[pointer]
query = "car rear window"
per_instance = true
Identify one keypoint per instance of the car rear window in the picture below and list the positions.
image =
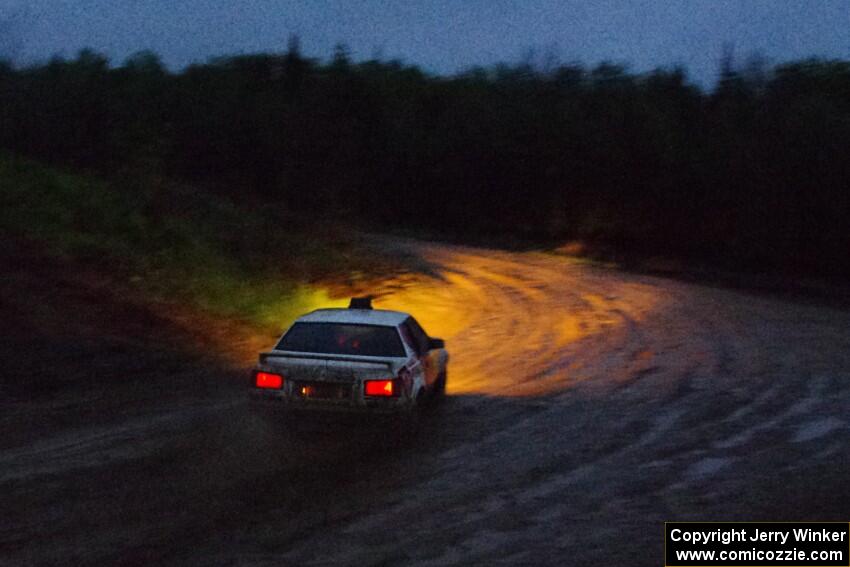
(342, 338)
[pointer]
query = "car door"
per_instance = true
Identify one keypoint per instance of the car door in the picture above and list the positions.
(427, 358)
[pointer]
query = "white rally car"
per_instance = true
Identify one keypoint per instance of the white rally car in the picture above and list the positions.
(352, 360)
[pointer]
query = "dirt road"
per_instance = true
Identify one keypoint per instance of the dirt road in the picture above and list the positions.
(587, 406)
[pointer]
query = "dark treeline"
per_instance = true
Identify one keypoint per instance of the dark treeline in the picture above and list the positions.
(753, 173)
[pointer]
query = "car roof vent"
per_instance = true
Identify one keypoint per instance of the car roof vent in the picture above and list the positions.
(360, 303)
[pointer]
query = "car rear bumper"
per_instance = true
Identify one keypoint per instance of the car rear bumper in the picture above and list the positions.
(275, 401)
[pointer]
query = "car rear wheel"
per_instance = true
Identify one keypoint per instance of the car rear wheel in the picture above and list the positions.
(440, 386)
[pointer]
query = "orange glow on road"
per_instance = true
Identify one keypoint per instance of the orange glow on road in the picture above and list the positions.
(515, 324)
(507, 316)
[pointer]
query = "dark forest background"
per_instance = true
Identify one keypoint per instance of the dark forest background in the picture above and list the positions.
(752, 173)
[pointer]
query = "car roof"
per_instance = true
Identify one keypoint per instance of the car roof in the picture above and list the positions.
(356, 316)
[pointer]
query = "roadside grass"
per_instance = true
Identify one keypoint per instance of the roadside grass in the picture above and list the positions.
(178, 244)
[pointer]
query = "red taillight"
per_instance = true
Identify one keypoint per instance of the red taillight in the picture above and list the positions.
(384, 388)
(268, 380)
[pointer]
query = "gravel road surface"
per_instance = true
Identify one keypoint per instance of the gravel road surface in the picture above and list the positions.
(586, 407)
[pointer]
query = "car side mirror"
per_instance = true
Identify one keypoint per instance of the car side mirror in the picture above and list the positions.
(436, 343)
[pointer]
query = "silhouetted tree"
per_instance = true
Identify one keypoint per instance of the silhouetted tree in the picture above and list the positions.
(753, 172)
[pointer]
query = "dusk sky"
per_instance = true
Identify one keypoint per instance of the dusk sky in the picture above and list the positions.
(443, 36)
